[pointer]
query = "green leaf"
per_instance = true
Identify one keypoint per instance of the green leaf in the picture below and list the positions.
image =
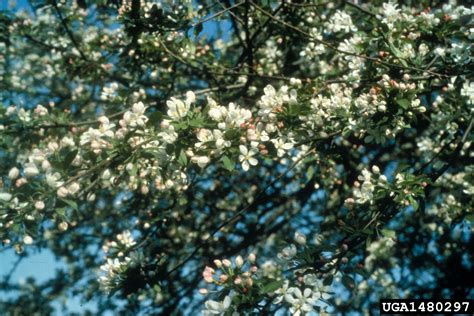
(413, 202)
(69, 158)
(228, 164)
(182, 159)
(404, 103)
(61, 211)
(147, 155)
(71, 203)
(155, 118)
(236, 300)
(134, 170)
(362, 272)
(231, 134)
(272, 151)
(328, 280)
(198, 29)
(310, 173)
(388, 233)
(272, 286)
(170, 149)
(197, 120)
(469, 217)
(348, 282)
(346, 132)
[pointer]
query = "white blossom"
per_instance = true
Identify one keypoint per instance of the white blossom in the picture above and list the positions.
(301, 302)
(27, 240)
(341, 21)
(217, 308)
(5, 197)
(246, 157)
(201, 161)
(178, 109)
(13, 173)
(288, 252)
(31, 170)
(282, 146)
(300, 238)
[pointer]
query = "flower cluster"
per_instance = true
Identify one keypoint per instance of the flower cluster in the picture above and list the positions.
(235, 277)
(381, 249)
(116, 265)
(303, 301)
(244, 283)
(364, 190)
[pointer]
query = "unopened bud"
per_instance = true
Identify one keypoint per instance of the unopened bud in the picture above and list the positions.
(239, 261)
(63, 226)
(27, 240)
(300, 238)
(223, 277)
(249, 281)
(13, 173)
(39, 205)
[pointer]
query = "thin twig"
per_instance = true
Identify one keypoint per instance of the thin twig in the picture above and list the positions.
(218, 14)
(325, 43)
(68, 31)
(232, 14)
(48, 46)
(450, 159)
(307, 5)
(12, 270)
(361, 9)
(117, 114)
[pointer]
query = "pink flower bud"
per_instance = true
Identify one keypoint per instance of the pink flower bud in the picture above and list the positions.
(207, 274)
(223, 278)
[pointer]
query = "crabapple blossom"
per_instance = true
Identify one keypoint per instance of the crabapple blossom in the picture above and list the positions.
(246, 157)
(157, 156)
(13, 173)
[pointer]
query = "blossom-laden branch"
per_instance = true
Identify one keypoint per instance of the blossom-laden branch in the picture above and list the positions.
(177, 152)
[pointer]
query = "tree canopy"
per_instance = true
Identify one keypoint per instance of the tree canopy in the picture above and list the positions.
(237, 157)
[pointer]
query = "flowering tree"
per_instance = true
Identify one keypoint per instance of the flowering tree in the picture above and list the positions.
(241, 157)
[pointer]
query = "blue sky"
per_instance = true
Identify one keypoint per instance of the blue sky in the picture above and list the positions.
(40, 265)
(13, 4)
